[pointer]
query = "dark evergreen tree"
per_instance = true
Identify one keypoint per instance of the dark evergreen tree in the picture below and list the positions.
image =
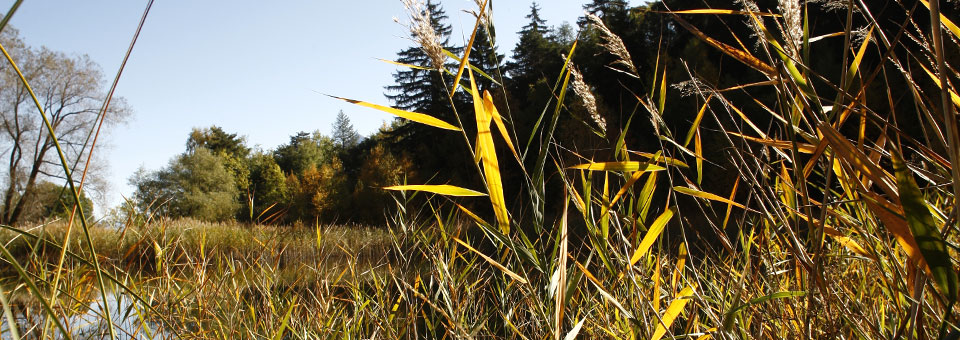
(484, 56)
(530, 50)
(427, 91)
(421, 90)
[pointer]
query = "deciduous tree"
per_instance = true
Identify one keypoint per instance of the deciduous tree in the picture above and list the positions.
(70, 92)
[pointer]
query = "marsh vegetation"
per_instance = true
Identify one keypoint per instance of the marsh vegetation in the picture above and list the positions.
(681, 169)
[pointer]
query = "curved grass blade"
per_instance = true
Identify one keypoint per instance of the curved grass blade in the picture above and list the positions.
(493, 262)
(475, 69)
(572, 335)
(672, 312)
(498, 120)
(945, 21)
(857, 160)
(414, 116)
(652, 234)
(925, 232)
(6, 18)
(728, 317)
(660, 158)
(8, 314)
(466, 50)
(743, 56)
(286, 321)
(405, 64)
(709, 196)
(723, 12)
(442, 189)
(36, 291)
(618, 166)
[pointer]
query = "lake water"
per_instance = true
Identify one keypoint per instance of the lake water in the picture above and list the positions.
(126, 317)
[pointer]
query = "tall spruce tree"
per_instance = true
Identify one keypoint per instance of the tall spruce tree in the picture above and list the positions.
(427, 91)
(422, 90)
(484, 56)
(528, 54)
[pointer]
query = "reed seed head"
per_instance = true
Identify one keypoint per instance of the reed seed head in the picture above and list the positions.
(613, 44)
(424, 34)
(586, 97)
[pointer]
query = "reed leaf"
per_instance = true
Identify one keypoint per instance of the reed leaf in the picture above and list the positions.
(925, 231)
(618, 166)
(414, 116)
(674, 310)
(656, 228)
(442, 189)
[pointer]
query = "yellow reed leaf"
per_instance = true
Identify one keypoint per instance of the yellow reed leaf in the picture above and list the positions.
(652, 234)
(708, 196)
(618, 166)
(414, 116)
(498, 121)
(466, 51)
(779, 144)
(945, 21)
(405, 64)
(743, 56)
(493, 262)
(674, 310)
(723, 12)
(442, 189)
(488, 155)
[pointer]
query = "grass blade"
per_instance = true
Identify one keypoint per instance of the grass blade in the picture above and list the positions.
(709, 196)
(945, 21)
(743, 56)
(466, 50)
(652, 235)
(618, 166)
(924, 230)
(487, 152)
(729, 317)
(674, 310)
(285, 322)
(414, 116)
(493, 262)
(442, 189)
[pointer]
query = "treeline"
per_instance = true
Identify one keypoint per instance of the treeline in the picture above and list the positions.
(611, 110)
(312, 178)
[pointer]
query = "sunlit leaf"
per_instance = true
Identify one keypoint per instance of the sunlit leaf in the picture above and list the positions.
(493, 262)
(723, 12)
(674, 310)
(488, 155)
(618, 166)
(656, 228)
(708, 196)
(442, 189)
(743, 56)
(925, 230)
(414, 116)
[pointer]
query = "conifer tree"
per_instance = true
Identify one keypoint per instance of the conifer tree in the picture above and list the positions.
(427, 91)
(344, 135)
(422, 90)
(484, 56)
(528, 54)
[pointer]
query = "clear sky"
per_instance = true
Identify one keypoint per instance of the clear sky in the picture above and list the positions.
(255, 68)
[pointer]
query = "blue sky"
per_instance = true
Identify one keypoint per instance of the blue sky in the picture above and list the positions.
(255, 68)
